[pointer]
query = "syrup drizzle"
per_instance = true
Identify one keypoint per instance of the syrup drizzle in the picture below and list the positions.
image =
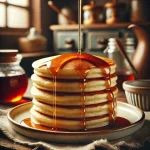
(79, 22)
(110, 95)
(79, 63)
(54, 102)
(82, 74)
(54, 77)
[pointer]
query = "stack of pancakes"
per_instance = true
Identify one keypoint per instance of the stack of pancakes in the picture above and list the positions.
(66, 101)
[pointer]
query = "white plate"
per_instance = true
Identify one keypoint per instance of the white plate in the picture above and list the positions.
(132, 113)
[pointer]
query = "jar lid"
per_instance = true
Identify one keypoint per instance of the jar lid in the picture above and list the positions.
(91, 6)
(8, 55)
(110, 4)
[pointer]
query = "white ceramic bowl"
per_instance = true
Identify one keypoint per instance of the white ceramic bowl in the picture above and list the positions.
(138, 93)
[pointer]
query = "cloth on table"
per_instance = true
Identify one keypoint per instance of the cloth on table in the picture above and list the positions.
(98, 144)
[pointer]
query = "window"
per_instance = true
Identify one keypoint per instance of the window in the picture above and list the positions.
(15, 14)
(17, 17)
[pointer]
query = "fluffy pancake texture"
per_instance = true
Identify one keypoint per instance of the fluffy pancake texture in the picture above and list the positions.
(67, 99)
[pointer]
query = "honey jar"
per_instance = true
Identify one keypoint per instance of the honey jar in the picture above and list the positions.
(93, 14)
(115, 12)
(13, 79)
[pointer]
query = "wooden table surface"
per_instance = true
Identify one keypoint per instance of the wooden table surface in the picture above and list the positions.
(7, 144)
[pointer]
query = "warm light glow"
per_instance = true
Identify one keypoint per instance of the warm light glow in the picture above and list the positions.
(2, 15)
(16, 99)
(17, 17)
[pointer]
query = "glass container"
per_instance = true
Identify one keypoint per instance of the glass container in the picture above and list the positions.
(116, 12)
(93, 14)
(13, 79)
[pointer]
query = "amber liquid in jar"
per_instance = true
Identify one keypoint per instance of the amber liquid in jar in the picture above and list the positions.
(12, 88)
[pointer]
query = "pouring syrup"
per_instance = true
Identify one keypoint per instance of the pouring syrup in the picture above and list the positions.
(77, 60)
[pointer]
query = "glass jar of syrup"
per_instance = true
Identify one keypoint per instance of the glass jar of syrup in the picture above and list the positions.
(13, 80)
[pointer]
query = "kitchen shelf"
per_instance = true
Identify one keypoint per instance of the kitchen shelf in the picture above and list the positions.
(94, 26)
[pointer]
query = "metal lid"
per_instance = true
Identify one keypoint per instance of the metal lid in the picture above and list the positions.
(110, 5)
(9, 55)
(91, 6)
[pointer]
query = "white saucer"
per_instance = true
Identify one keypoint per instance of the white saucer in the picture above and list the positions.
(132, 113)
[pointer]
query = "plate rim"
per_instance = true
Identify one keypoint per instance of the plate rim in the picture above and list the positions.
(11, 120)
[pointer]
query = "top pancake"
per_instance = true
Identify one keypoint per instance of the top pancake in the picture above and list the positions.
(68, 72)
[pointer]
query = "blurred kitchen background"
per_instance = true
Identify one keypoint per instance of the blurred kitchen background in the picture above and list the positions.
(41, 28)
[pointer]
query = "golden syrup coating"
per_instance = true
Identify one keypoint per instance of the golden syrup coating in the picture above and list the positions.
(93, 78)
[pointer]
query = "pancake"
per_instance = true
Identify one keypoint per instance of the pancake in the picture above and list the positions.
(71, 86)
(74, 92)
(68, 125)
(73, 112)
(72, 99)
(69, 73)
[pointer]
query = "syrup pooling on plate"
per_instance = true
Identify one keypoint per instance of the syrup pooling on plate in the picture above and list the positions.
(81, 63)
(84, 92)
(118, 124)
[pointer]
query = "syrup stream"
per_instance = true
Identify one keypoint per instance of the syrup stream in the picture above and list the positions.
(54, 77)
(82, 69)
(54, 102)
(81, 74)
(110, 95)
(79, 22)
